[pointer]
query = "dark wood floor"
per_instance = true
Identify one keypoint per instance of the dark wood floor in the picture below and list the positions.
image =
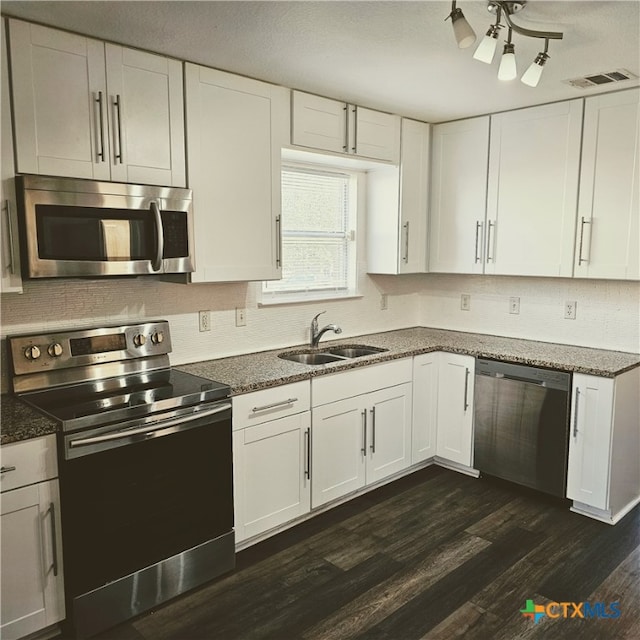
(436, 556)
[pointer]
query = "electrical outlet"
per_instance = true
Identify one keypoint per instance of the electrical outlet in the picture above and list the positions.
(383, 302)
(514, 305)
(241, 317)
(570, 310)
(465, 302)
(204, 320)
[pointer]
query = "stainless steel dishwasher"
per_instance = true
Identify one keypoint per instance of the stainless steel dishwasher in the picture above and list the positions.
(521, 424)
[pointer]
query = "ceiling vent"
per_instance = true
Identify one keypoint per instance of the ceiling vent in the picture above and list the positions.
(597, 79)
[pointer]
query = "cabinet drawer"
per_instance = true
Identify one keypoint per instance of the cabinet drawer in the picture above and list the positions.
(355, 382)
(269, 404)
(34, 461)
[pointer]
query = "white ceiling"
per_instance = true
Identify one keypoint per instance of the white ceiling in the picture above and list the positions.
(395, 56)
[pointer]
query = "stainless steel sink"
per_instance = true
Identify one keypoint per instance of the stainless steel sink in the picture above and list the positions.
(356, 351)
(331, 354)
(311, 358)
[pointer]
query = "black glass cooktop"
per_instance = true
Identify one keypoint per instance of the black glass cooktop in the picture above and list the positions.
(117, 399)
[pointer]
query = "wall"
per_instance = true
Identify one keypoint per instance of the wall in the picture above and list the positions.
(607, 315)
(62, 304)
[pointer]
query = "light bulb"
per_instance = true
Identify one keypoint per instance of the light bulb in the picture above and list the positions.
(508, 70)
(487, 48)
(532, 75)
(464, 34)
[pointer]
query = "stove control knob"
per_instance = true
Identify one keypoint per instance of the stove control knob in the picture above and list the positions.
(54, 349)
(139, 340)
(157, 337)
(32, 352)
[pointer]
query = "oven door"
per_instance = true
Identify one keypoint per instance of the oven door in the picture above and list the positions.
(74, 228)
(135, 495)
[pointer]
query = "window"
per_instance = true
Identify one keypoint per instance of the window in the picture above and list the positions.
(318, 235)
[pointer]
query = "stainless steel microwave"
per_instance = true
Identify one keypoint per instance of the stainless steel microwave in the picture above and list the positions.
(84, 228)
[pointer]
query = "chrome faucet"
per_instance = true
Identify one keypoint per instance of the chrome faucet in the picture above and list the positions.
(316, 335)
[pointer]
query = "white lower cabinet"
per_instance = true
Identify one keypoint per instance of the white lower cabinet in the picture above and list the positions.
(455, 408)
(32, 589)
(603, 477)
(425, 406)
(271, 458)
(364, 438)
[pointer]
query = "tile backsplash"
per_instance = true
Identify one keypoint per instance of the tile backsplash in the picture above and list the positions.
(607, 315)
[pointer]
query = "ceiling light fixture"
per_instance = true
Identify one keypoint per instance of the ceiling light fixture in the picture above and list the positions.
(485, 52)
(464, 34)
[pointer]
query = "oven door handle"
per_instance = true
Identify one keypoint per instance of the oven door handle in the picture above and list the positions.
(149, 429)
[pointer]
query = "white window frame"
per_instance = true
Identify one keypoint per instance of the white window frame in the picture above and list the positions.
(357, 192)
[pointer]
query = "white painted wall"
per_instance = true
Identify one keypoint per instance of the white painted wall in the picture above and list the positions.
(608, 311)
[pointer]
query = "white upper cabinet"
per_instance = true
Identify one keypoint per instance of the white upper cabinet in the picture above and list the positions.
(331, 125)
(89, 110)
(236, 128)
(608, 230)
(460, 155)
(10, 281)
(534, 162)
(397, 210)
(146, 107)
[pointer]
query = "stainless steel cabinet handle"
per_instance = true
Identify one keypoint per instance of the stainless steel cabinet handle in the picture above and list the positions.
(406, 242)
(11, 265)
(364, 433)
(273, 405)
(7, 469)
(100, 153)
(345, 146)
(156, 265)
(54, 542)
(355, 130)
(478, 227)
(575, 414)
(278, 241)
(117, 103)
(583, 221)
(373, 430)
(490, 257)
(307, 445)
(149, 429)
(466, 387)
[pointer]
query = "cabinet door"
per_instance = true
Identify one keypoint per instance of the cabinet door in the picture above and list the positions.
(533, 189)
(32, 583)
(235, 131)
(375, 134)
(455, 408)
(146, 110)
(11, 280)
(59, 94)
(414, 196)
(608, 232)
(389, 440)
(338, 451)
(590, 440)
(271, 474)
(425, 406)
(317, 122)
(459, 165)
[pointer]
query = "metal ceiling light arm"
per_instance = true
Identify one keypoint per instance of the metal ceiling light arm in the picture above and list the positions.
(508, 10)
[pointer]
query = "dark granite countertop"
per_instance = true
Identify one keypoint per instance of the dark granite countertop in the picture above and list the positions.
(265, 369)
(19, 421)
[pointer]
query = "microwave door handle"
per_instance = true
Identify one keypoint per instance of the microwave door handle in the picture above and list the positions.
(156, 264)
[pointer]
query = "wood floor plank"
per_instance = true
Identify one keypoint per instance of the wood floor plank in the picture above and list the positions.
(429, 607)
(383, 599)
(469, 622)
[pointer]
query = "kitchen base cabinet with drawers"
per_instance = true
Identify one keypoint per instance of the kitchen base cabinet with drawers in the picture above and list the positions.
(603, 477)
(361, 428)
(32, 589)
(271, 458)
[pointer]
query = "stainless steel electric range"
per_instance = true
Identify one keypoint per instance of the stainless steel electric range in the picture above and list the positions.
(145, 466)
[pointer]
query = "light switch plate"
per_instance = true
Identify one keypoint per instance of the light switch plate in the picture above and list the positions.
(514, 305)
